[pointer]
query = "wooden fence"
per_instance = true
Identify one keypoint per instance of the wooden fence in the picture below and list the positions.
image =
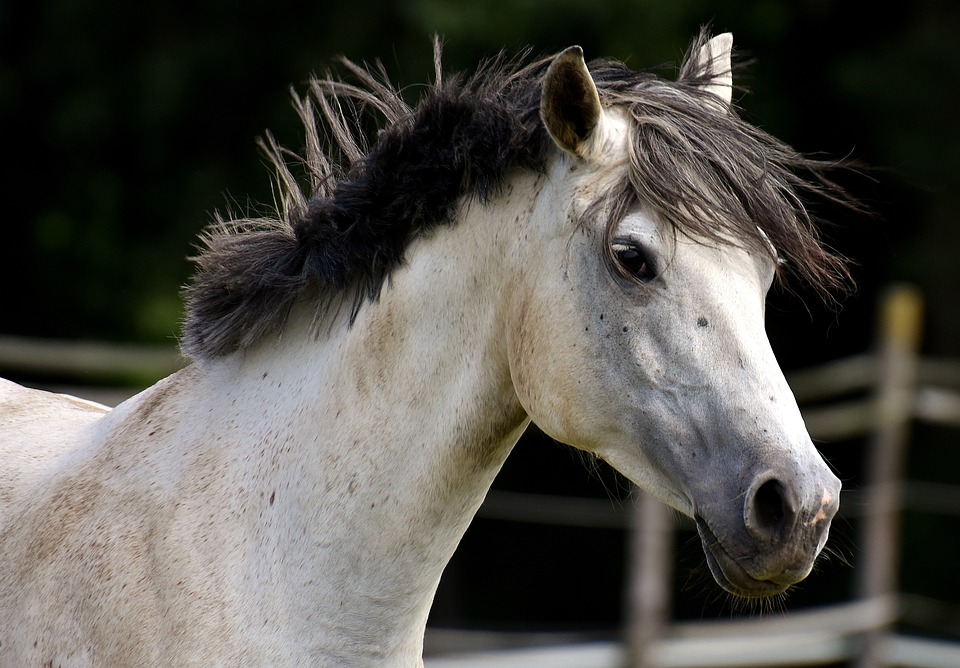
(897, 386)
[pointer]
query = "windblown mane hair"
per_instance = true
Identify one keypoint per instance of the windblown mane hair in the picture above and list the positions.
(695, 163)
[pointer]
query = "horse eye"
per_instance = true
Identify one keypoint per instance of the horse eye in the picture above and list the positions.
(633, 260)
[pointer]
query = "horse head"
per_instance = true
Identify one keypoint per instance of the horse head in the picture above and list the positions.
(642, 340)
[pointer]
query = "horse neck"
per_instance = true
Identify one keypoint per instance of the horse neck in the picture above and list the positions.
(382, 438)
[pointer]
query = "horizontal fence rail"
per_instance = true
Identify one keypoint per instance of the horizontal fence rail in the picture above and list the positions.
(90, 359)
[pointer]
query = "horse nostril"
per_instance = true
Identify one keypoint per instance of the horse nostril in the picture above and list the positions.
(770, 512)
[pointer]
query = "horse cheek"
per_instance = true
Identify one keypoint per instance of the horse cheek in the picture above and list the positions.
(546, 389)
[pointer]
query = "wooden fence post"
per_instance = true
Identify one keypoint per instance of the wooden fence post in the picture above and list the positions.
(899, 341)
(648, 602)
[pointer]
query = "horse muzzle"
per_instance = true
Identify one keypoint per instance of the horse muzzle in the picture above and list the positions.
(774, 543)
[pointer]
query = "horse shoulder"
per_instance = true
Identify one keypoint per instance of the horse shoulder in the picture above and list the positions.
(93, 555)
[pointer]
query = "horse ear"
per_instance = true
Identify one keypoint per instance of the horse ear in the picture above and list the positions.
(569, 104)
(713, 61)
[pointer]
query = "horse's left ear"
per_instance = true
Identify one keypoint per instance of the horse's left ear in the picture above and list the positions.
(569, 104)
(713, 61)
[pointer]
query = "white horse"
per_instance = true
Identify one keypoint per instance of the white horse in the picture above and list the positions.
(587, 248)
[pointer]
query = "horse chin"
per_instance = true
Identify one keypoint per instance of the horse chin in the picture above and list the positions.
(729, 574)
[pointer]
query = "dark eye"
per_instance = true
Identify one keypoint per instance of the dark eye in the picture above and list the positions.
(633, 260)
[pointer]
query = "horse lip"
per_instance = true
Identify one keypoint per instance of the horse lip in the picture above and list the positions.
(729, 574)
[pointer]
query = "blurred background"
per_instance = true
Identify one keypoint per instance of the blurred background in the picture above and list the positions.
(126, 125)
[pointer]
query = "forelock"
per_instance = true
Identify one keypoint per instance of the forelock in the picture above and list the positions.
(699, 167)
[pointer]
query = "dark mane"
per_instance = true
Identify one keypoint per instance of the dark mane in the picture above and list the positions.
(703, 169)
